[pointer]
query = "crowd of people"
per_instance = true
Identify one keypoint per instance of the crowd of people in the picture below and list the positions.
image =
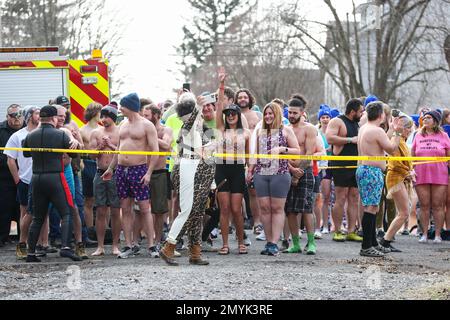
(214, 182)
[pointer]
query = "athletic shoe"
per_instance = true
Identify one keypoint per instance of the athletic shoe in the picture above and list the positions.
(371, 252)
(258, 229)
(405, 232)
(265, 252)
(383, 249)
(311, 248)
(273, 250)
(318, 235)
(176, 254)
(437, 240)
(247, 241)
(325, 231)
(423, 239)
(339, 237)
(284, 245)
(354, 237)
(261, 236)
(136, 250)
(153, 252)
(125, 253)
(69, 253)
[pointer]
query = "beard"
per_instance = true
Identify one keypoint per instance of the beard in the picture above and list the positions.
(244, 105)
(294, 121)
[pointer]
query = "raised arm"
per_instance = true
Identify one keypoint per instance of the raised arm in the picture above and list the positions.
(219, 107)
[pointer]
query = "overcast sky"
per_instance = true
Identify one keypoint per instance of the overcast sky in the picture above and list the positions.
(155, 28)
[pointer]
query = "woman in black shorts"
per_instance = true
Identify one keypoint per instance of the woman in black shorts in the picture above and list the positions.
(235, 140)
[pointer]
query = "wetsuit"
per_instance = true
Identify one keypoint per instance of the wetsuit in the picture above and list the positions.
(346, 178)
(48, 182)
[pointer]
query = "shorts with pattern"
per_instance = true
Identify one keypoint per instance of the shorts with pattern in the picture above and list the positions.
(300, 197)
(128, 180)
(370, 184)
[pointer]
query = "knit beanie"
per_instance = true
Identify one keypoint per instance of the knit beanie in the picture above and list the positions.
(131, 102)
(325, 110)
(109, 111)
(29, 111)
(371, 98)
(436, 116)
(415, 118)
(335, 113)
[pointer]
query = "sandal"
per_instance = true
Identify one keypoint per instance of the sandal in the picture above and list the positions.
(224, 251)
(243, 249)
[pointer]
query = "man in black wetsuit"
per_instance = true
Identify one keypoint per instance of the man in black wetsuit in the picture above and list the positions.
(48, 182)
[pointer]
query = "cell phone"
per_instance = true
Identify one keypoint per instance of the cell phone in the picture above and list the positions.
(211, 99)
(187, 87)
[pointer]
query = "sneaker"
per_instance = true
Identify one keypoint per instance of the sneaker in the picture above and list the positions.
(423, 239)
(153, 252)
(125, 253)
(339, 237)
(388, 245)
(284, 245)
(371, 252)
(325, 231)
(69, 253)
(176, 254)
(354, 237)
(258, 229)
(247, 240)
(50, 249)
(273, 250)
(32, 259)
(136, 250)
(261, 236)
(405, 232)
(21, 251)
(40, 251)
(437, 240)
(318, 235)
(383, 249)
(265, 252)
(207, 246)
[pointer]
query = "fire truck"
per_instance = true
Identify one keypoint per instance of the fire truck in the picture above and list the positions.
(35, 76)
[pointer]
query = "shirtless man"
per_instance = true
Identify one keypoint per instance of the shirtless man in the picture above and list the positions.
(105, 192)
(92, 115)
(245, 100)
(300, 198)
(134, 172)
(373, 141)
(160, 177)
(342, 133)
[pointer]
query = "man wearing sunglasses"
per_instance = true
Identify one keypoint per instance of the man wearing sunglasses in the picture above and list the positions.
(8, 190)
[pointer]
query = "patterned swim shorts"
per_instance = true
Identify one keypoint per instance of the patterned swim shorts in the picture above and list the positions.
(129, 184)
(370, 184)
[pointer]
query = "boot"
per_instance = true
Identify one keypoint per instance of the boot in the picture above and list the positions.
(167, 253)
(80, 251)
(195, 256)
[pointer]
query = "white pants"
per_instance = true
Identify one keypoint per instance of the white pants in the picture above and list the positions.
(188, 169)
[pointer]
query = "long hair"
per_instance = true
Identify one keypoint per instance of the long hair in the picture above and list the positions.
(278, 120)
(250, 96)
(239, 124)
(436, 128)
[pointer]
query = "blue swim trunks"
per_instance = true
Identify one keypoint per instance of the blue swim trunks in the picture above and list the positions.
(370, 184)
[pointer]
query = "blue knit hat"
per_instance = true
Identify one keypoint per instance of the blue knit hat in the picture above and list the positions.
(335, 113)
(325, 110)
(371, 98)
(416, 118)
(131, 102)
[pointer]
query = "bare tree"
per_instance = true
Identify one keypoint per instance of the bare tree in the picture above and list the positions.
(361, 60)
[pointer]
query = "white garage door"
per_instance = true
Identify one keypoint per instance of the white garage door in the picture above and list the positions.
(30, 87)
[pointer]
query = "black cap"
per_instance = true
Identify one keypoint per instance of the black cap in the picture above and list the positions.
(110, 111)
(62, 101)
(48, 112)
(232, 107)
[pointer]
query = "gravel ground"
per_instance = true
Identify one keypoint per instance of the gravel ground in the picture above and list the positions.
(337, 272)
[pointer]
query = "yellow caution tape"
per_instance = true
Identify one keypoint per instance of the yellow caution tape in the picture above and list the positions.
(239, 156)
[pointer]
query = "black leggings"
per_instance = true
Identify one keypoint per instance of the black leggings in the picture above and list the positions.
(50, 188)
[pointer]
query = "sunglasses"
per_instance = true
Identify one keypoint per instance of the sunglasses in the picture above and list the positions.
(231, 113)
(16, 115)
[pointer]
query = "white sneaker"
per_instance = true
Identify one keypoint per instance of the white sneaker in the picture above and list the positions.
(437, 240)
(317, 235)
(261, 236)
(176, 254)
(247, 242)
(325, 231)
(423, 239)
